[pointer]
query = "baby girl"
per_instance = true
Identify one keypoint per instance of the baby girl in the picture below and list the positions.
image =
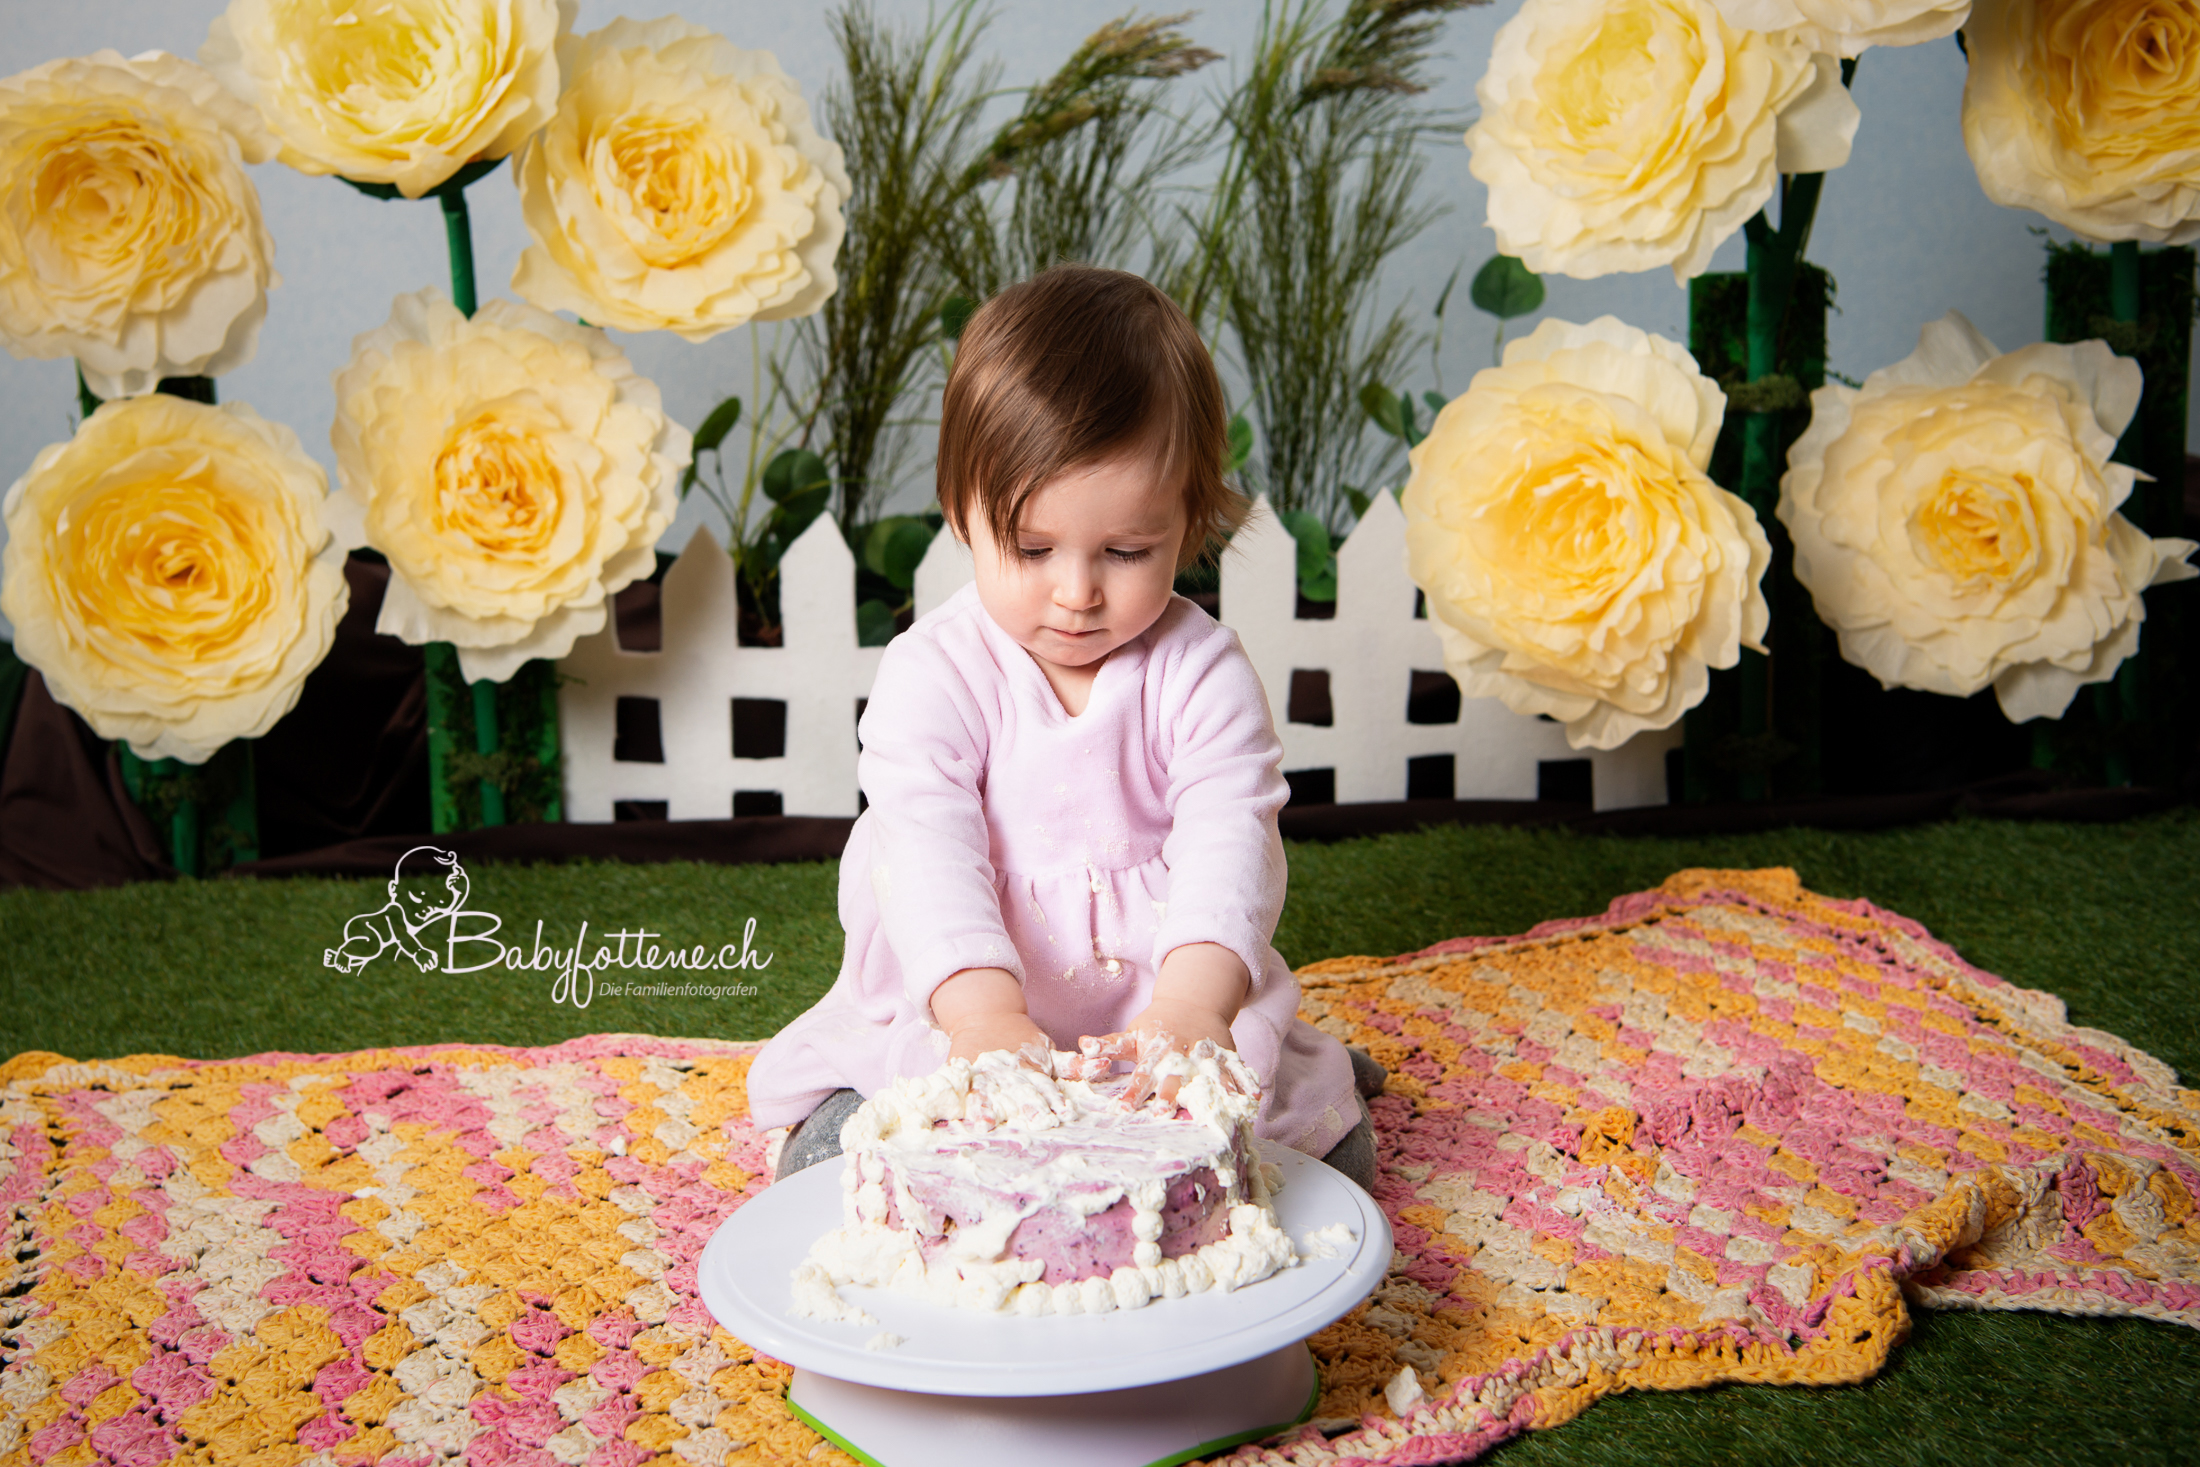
(1071, 771)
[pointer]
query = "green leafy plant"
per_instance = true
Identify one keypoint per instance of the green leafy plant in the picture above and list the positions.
(1395, 414)
(906, 115)
(796, 484)
(1317, 564)
(1075, 175)
(1318, 184)
(1241, 442)
(889, 553)
(1505, 288)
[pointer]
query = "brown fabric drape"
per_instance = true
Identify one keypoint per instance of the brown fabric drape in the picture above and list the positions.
(351, 760)
(66, 822)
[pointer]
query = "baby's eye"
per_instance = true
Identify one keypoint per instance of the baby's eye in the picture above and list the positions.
(1032, 552)
(1132, 557)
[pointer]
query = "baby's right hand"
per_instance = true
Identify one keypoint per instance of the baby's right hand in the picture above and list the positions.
(982, 1009)
(1013, 1032)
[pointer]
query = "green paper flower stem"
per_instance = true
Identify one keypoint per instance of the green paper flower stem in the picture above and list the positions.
(487, 742)
(183, 825)
(2123, 280)
(458, 228)
(1773, 258)
(2119, 701)
(459, 232)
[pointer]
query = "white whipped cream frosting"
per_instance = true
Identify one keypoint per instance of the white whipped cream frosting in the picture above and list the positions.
(1067, 1143)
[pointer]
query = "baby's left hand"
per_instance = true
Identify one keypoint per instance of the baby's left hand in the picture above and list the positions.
(1163, 1028)
(1195, 996)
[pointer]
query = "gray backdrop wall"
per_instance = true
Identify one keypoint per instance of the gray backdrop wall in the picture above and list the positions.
(1904, 227)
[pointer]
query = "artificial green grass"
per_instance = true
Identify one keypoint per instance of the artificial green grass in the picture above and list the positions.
(220, 968)
(2108, 917)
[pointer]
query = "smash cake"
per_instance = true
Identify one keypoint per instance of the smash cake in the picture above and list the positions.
(993, 1185)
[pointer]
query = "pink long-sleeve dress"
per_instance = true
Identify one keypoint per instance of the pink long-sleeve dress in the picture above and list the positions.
(1074, 852)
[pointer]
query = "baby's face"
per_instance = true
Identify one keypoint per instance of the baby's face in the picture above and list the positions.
(1092, 565)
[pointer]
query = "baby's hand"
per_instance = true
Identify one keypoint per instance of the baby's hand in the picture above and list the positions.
(1013, 1032)
(1195, 996)
(982, 1009)
(1165, 1027)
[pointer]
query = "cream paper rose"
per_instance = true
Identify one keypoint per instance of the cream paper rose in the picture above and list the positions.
(1625, 135)
(2088, 111)
(1955, 519)
(1850, 27)
(169, 572)
(680, 187)
(403, 92)
(515, 469)
(130, 235)
(1577, 561)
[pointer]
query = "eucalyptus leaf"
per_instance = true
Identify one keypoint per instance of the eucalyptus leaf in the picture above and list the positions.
(762, 558)
(1382, 406)
(796, 512)
(955, 315)
(871, 554)
(1506, 288)
(1435, 401)
(1358, 500)
(793, 470)
(717, 425)
(1241, 442)
(874, 624)
(904, 551)
(1317, 562)
(893, 546)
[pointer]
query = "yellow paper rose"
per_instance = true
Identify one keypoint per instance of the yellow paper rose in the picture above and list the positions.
(514, 468)
(130, 235)
(1850, 27)
(169, 572)
(1625, 135)
(403, 92)
(2088, 111)
(1577, 561)
(680, 187)
(1955, 519)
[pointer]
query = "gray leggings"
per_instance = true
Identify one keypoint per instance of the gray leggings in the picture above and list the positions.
(817, 1139)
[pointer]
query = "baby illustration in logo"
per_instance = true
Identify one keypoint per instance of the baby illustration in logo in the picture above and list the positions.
(427, 886)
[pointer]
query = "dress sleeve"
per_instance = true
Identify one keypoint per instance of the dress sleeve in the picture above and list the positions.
(923, 771)
(1225, 784)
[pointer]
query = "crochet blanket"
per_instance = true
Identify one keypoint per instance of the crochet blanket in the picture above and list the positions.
(1723, 1132)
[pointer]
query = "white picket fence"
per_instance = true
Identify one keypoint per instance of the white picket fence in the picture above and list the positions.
(1368, 653)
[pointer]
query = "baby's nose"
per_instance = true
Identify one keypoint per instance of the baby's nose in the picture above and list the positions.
(1077, 590)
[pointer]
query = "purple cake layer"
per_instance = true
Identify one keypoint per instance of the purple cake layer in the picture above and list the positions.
(1071, 1245)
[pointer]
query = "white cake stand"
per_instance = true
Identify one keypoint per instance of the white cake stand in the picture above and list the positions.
(1136, 1388)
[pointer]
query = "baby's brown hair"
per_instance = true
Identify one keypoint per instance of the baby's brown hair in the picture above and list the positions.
(1071, 368)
